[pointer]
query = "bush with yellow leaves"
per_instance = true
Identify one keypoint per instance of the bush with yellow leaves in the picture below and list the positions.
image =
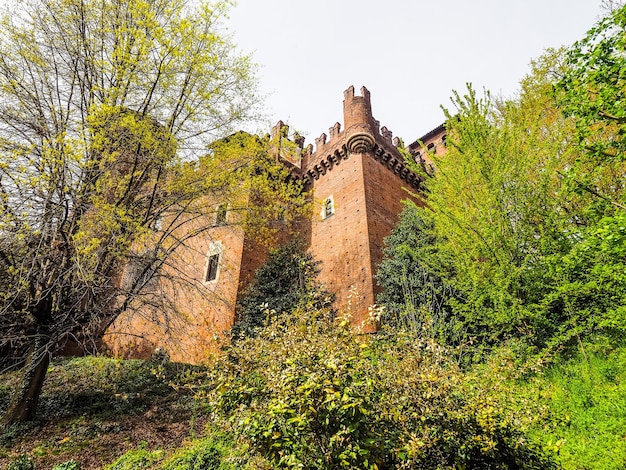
(311, 393)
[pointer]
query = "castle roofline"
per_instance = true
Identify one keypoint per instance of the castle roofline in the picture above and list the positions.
(429, 135)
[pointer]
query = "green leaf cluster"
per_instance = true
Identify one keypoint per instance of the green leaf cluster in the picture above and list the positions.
(287, 280)
(593, 89)
(316, 395)
(521, 241)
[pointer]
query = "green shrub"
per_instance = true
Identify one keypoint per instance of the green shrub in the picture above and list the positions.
(69, 465)
(416, 294)
(287, 279)
(311, 394)
(137, 459)
(203, 454)
(23, 462)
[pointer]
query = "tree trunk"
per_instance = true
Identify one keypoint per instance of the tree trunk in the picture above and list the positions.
(24, 402)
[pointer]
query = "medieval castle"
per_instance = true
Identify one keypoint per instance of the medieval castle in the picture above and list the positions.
(357, 177)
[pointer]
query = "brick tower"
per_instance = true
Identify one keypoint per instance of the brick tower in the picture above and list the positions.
(358, 180)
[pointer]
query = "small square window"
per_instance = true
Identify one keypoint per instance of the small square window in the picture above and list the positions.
(212, 267)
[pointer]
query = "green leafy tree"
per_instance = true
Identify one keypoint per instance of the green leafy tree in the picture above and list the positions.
(416, 294)
(287, 279)
(103, 106)
(593, 93)
(593, 89)
(499, 206)
(537, 257)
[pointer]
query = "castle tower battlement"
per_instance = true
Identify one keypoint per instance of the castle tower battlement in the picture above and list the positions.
(358, 123)
(361, 127)
(362, 134)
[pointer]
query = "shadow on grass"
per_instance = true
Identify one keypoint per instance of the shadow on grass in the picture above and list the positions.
(98, 389)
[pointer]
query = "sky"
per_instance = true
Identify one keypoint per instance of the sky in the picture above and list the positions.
(410, 54)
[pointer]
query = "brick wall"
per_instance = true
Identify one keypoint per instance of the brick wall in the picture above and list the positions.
(361, 169)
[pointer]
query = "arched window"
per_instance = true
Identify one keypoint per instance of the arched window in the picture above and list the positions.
(328, 207)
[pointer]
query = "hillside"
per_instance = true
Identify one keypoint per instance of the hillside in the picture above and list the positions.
(94, 409)
(105, 413)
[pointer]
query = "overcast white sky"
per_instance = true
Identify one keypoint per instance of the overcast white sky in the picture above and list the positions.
(410, 54)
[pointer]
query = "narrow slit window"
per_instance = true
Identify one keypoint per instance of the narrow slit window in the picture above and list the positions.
(220, 214)
(212, 267)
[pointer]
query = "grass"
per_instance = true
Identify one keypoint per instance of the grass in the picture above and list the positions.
(586, 399)
(94, 409)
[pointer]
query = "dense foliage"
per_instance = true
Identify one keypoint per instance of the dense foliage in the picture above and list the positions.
(574, 409)
(593, 89)
(416, 295)
(287, 279)
(317, 395)
(528, 248)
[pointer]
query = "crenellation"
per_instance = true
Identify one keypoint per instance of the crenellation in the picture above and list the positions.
(299, 140)
(320, 141)
(280, 130)
(349, 93)
(362, 135)
(334, 131)
(386, 134)
(365, 93)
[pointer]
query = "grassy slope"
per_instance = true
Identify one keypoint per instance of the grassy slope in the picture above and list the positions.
(586, 398)
(95, 409)
(576, 406)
